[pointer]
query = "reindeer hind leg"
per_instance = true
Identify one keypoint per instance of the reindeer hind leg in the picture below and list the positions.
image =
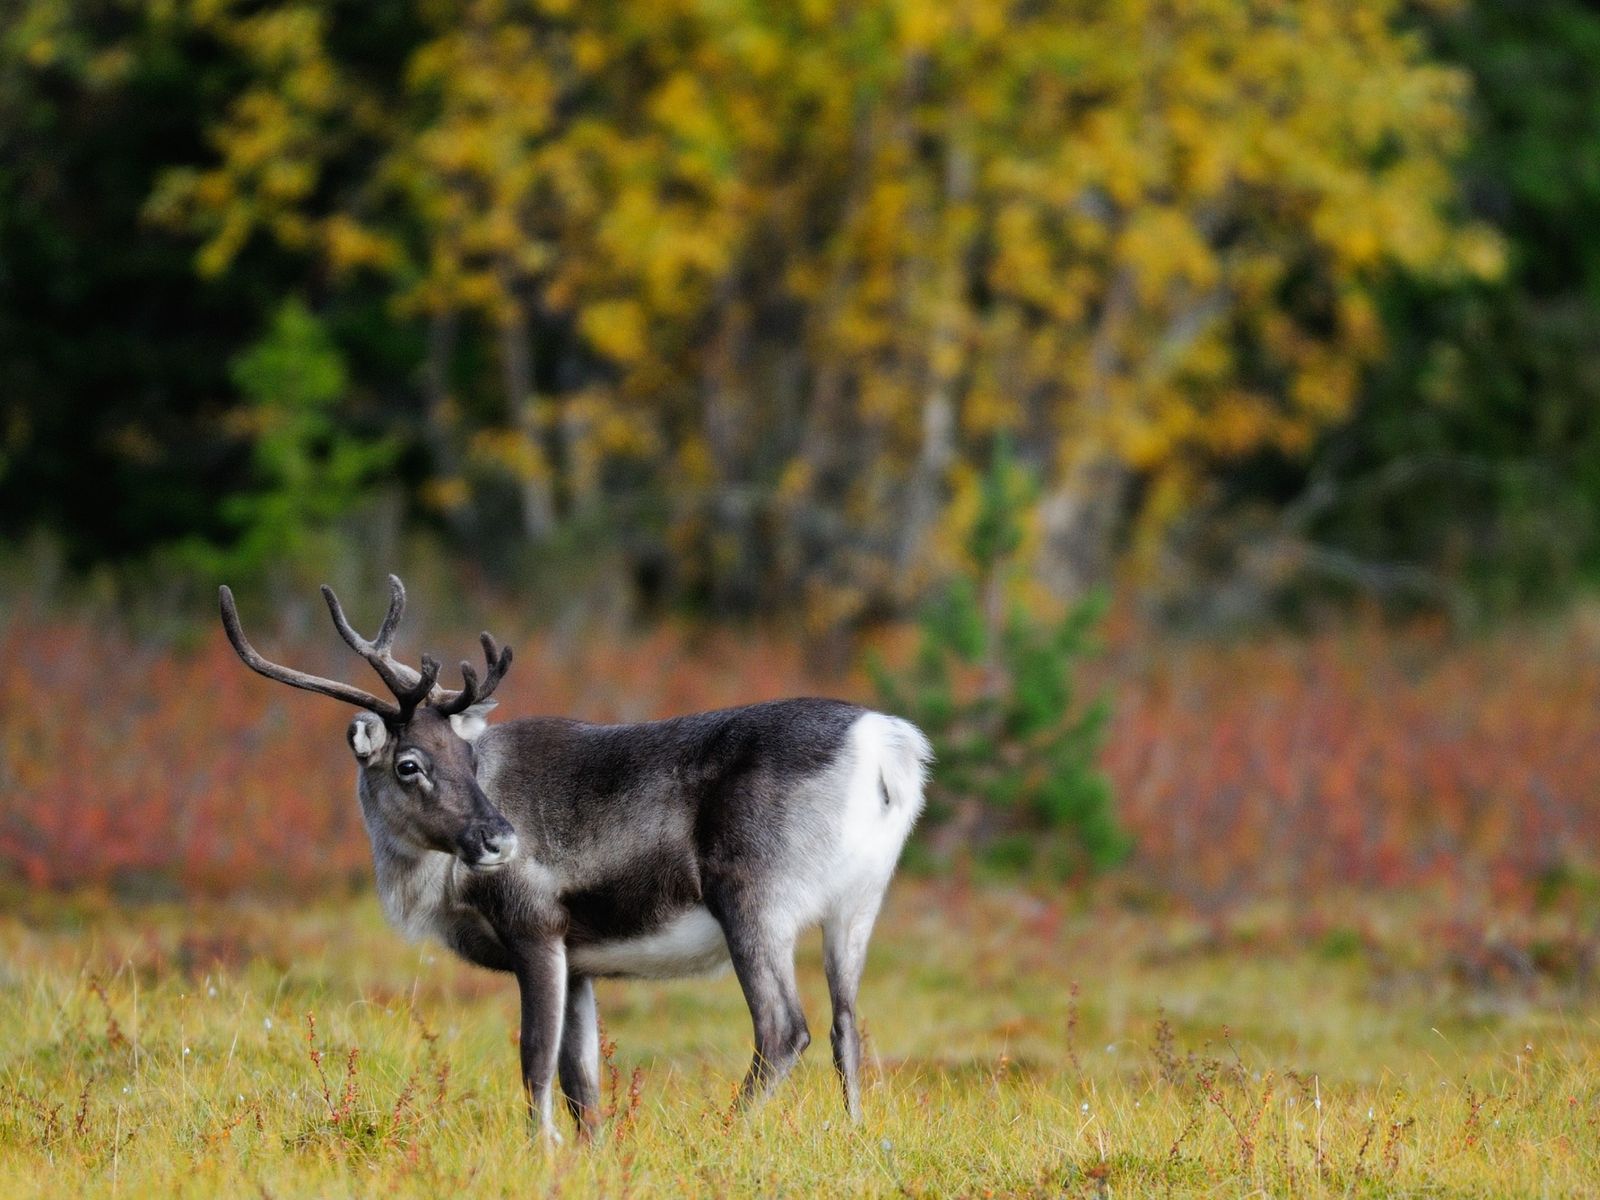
(845, 933)
(763, 959)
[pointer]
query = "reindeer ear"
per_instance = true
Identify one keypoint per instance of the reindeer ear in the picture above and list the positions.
(471, 722)
(368, 735)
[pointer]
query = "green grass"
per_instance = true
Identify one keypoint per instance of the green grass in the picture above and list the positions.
(167, 1051)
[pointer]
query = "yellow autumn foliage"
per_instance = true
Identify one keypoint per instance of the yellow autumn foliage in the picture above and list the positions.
(825, 252)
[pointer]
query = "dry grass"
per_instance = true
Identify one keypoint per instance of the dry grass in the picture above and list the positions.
(173, 1051)
(1435, 1035)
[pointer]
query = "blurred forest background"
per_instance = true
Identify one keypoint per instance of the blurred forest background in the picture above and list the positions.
(1216, 382)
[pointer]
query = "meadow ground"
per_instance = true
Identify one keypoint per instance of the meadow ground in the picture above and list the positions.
(1017, 1045)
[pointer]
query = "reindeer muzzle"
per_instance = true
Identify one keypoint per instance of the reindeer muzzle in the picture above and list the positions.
(489, 845)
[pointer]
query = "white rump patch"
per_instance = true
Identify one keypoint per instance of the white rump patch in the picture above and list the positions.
(689, 944)
(888, 765)
(870, 797)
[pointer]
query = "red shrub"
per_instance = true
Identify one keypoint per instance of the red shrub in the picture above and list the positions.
(1368, 759)
(121, 762)
(1362, 759)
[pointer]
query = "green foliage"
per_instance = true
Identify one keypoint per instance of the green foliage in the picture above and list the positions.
(995, 688)
(1473, 452)
(308, 470)
(112, 354)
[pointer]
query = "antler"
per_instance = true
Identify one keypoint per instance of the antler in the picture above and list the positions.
(399, 677)
(299, 679)
(496, 661)
(410, 686)
(402, 678)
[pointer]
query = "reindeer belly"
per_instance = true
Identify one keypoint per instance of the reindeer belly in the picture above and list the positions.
(688, 943)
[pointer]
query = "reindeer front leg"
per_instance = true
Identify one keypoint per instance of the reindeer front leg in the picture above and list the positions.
(540, 965)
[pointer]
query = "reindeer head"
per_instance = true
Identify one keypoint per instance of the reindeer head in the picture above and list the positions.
(415, 751)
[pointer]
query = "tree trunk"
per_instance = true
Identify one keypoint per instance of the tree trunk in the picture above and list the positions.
(942, 365)
(726, 422)
(1080, 519)
(1081, 514)
(439, 421)
(938, 446)
(516, 361)
(578, 466)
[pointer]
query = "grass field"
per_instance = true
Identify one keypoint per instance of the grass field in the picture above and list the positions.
(1016, 1046)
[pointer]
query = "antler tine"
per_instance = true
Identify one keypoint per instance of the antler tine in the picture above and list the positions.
(408, 697)
(452, 703)
(399, 677)
(342, 623)
(496, 662)
(491, 648)
(391, 619)
(310, 683)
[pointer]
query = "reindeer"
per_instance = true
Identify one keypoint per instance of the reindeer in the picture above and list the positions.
(561, 851)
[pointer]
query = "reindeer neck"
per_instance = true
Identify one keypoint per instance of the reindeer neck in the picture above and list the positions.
(414, 886)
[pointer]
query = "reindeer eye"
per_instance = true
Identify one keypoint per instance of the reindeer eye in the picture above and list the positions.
(408, 768)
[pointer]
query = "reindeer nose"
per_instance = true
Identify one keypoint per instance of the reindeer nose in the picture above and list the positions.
(495, 846)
